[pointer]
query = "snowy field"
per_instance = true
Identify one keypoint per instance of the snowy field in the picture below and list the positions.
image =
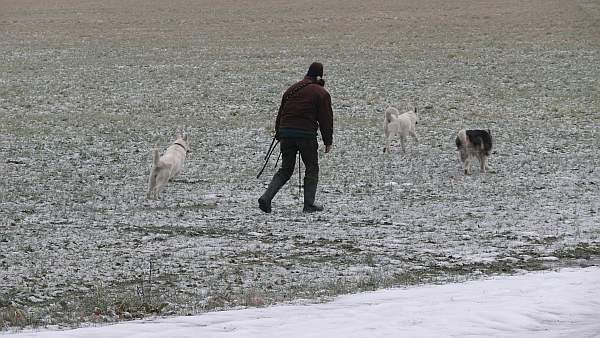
(540, 305)
(89, 88)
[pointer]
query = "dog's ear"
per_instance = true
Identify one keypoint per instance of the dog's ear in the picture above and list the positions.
(185, 137)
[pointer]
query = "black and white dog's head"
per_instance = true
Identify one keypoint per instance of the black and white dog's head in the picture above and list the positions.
(474, 143)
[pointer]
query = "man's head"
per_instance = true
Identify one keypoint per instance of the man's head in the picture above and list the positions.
(315, 70)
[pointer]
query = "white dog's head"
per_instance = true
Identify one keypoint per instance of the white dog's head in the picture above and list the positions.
(182, 140)
(413, 116)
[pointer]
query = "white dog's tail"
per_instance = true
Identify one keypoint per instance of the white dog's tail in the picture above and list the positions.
(389, 115)
(461, 139)
(156, 158)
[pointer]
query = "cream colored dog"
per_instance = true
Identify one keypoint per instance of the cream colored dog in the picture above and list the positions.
(167, 166)
(399, 124)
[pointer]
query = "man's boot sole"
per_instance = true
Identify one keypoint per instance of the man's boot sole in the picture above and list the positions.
(311, 209)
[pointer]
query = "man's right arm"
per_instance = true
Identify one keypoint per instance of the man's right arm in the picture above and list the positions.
(278, 119)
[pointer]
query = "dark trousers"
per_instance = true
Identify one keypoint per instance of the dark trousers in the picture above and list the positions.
(307, 147)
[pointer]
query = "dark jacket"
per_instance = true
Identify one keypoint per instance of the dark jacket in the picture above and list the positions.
(306, 108)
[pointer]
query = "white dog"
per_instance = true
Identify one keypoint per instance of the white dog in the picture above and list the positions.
(399, 124)
(167, 166)
(474, 143)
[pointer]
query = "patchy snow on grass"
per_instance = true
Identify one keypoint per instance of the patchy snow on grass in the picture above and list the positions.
(89, 89)
(563, 303)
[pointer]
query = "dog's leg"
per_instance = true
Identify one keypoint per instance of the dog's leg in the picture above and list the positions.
(414, 135)
(486, 165)
(161, 180)
(488, 168)
(482, 163)
(160, 186)
(387, 133)
(153, 174)
(466, 165)
(386, 147)
(152, 188)
(465, 158)
(153, 193)
(402, 141)
(157, 190)
(151, 185)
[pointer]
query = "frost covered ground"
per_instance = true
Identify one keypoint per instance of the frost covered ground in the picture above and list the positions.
(87, 89)
(516, 306)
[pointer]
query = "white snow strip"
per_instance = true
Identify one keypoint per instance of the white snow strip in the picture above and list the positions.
(542, 304)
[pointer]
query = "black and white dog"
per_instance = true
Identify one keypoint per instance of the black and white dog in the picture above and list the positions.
(474, 143)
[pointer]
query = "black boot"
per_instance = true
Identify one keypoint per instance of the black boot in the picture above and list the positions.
(312, 208)
(310, 190)
(264, 202)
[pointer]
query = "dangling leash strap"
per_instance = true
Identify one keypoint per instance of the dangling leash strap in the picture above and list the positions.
(268, 156)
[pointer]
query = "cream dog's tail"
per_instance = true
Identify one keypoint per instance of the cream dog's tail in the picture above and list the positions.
(390, 114)
(461, 139)
(152, 188)
(155, 160)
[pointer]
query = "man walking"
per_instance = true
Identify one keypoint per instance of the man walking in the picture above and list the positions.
(305, 108)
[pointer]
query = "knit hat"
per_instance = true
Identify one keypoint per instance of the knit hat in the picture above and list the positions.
(315, 69)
